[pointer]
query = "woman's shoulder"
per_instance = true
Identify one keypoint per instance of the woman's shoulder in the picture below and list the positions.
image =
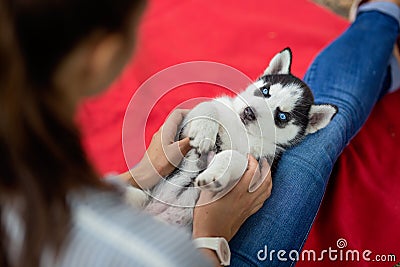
(106, 232)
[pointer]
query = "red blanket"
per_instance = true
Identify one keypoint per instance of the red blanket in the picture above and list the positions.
(361, 204)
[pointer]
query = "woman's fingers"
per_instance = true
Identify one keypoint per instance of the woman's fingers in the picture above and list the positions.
(251, 171)
(260, 186)
(260, 177)
(170, 126)
(173, 151)
(262, 194)
(256, 208)
(176, 151)
(184, 145)
(266, 177)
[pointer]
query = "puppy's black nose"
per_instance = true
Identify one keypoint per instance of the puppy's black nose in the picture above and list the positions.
(248, 114)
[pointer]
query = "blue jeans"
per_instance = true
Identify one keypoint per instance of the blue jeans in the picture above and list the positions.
(351, 73)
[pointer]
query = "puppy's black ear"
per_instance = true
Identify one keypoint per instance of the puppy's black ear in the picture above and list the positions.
(281, 63)
(320, 116)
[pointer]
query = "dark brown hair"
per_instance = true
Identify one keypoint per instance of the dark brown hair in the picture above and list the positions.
(42, 159)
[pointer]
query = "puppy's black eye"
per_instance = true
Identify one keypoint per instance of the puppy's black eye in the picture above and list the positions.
(265, 90)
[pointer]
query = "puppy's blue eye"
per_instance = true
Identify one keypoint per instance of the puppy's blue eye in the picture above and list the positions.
(282, 116)
(265, 90)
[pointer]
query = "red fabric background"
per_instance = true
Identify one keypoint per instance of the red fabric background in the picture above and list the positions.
(361, 204)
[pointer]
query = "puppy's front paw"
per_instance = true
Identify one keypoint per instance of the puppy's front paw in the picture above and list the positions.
(203, 134)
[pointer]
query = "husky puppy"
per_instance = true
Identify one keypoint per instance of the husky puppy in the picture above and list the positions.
(274, 113)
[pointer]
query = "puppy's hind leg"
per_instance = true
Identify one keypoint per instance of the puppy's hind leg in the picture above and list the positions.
(135, 197)
(226, 167)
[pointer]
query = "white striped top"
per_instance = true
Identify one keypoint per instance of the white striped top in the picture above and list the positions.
(106, 232)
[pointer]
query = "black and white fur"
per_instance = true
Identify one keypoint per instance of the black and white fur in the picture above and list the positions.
(274, 113)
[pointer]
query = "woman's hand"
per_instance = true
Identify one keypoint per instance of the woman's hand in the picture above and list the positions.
(223, 217)
(162, 155)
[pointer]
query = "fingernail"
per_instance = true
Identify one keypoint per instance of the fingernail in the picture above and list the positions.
(184, 141)
(184, 145)
(264, 162)
(252, 187)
